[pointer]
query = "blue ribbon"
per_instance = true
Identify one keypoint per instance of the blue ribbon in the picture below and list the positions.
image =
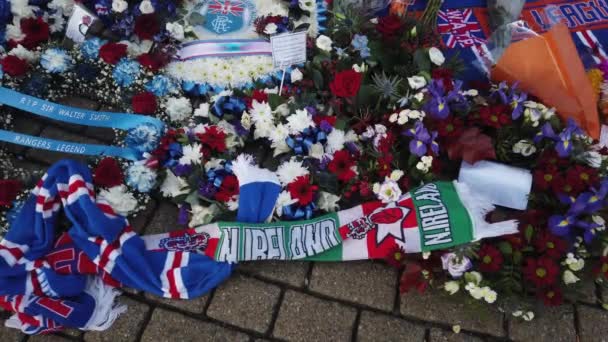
(69, 147)
(302, 143)
(228, 104)
(296, 212)
(74, 115)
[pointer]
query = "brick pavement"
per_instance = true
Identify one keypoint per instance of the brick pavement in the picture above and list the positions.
(304, 301)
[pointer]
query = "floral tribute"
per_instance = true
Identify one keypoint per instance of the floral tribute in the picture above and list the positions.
(376, 110)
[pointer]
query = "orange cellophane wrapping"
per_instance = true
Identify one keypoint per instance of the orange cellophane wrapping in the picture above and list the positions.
(548, 67)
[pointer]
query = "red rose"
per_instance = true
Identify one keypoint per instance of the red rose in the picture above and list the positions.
(108, 173)
(14, 66)
(111, 53)
(9, 189)
(389, 26)
(36, 31)
(144, 103)
(146, 26)
(346, 83)
(151, 61)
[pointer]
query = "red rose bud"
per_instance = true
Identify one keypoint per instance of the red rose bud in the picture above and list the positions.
(144, 103)
(146, 26)
(9, 189)
(36, 31)
(108, 173)
(346, 83)
(14, 66)
(389, 26)
(111, 53)
(150, 61)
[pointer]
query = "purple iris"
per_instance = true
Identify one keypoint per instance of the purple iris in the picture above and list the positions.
(517, 103)
(422, 140)
(439, 104)
(182, 170)
(207, 189)
(502, 91)
(563, 140)
(183, 216)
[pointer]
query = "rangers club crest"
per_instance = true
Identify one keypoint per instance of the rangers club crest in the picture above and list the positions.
(227, 16)
(185, 243)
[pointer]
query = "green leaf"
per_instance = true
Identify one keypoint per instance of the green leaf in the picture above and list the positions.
(341, 124)
(328, 182)
(274, 100)
(196, 19)
(317, 78)
(505, 248)
(528, 232)
(422, 60)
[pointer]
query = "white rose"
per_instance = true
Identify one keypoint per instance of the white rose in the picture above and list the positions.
(569, 277)
(489, 295)
(271, 28)
(416, 82)
(296, 75)
(324, 43)
(146, 7)
(396, 175)
(175, 30)
(436, 56)
(307, 5)
(119, 6)
(452, 287)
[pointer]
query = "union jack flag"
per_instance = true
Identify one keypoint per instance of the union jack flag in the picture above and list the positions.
(225, 7)
(460, 28)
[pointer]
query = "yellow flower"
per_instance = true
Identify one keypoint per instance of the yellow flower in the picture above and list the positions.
(596, 76)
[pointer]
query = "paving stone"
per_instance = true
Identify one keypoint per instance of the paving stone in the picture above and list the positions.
(138, 223)
(438, 306)
(438, 335)
(50, 157)
(369, 283)
(306, 318)
(374, 327)
(164, 219)
(593, 324)
(292, 272)
(171, 326)
(100, 133)
(196, 305)
(586, 288)
(551, 324)
(245, 302)
(48, 338)
(126, 327)
(10, 334)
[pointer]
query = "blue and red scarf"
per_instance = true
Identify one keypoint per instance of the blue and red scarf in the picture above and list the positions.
(51, 280)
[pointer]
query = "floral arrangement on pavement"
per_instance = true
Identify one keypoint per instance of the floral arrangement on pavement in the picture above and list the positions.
(376, 111)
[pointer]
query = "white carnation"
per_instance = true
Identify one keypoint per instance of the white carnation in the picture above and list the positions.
(176, 30)
(119, 6)
(299, 121)
(122, 201)
(179, 109)
(271, 29)
(290, 170)
(335, 141)
(146, 7)
(191, 154)
(25, 54)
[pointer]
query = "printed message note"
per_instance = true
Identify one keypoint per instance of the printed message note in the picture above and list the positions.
(79, 23)
(288, 49)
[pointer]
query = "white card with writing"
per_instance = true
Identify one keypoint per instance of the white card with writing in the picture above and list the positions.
(503, 185)
(79, 23)
(604, 136)
(288, 49)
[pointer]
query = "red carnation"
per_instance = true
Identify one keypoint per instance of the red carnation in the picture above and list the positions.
(146, 26)
(550, 245)
(389, 26)
(111, 53)
(108, 173)
(213, 138)
(14, 66)
(36, 32)
(331, 120)
(341, 166)
(490, 259)
(9, 189)
(302, 190)
(228, 189)
(346, 83)
(152, 62)
(551, 296)
(542, 271)
(144, 103)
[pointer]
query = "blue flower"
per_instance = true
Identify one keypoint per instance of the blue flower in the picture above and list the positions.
(36, 85)
(55, 61)
(90, 48)
(86, 71)
(359, 43)
(141, 178)
(125, 72)
(161, 85)
(143, 138)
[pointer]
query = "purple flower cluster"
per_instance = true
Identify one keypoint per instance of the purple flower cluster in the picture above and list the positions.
(563, 140)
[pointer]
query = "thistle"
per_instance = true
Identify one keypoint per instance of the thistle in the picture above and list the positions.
(386, 86)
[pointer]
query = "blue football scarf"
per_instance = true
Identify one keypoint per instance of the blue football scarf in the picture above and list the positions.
(53, 280)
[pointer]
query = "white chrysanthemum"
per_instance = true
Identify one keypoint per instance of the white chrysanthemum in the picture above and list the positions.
(299, 121)
(202, 215)
(191, 154)
(30, 56)
(213, 164)
(278, 136)
(58, 23)
(119, 6)
(178, 109)
(290, 170)
(335, 141)
(173, 186)
(64, 6)
(328, 201)
(176, 30)
(261, 112)
(283, 200)
(21, 9)
(13, 32)
(122, 201)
